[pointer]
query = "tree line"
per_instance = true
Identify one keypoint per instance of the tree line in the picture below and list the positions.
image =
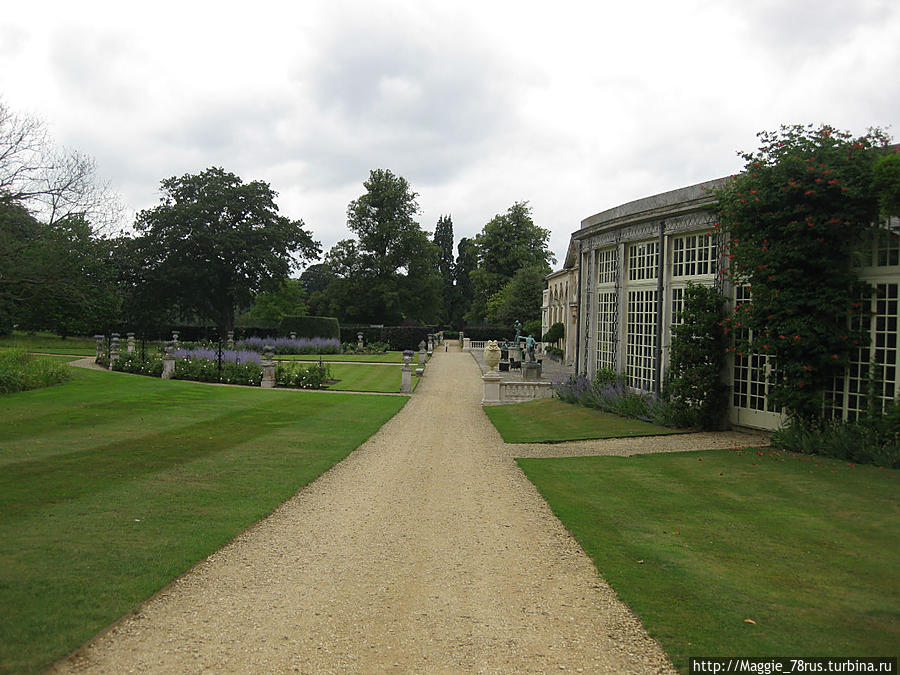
(216, 250)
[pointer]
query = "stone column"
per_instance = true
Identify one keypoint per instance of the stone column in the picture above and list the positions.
(175, 340)
(113, 349)
(229, 343)
(168, 371)
(359, 341)
(406, 379)
(100, 339)
(430, 344)
(268, 368)
(422, 353)
(130, 338)
(466, 344)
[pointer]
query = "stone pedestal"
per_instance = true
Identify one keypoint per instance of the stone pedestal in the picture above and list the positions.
(359, 341)
(168, 371)
(422, 353)
(130, 338)
(229, 343)
(406, 379)
(466, 344)
(515, 353)
(175, 339)
(531, 371)
(113, 350)
(491, 382)
(268, 368)
(430, 344)
(100, 339)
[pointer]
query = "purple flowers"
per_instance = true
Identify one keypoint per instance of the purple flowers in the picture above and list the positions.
(284, 345)
(236, 356)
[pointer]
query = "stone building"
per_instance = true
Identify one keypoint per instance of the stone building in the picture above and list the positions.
(560, 305)
(631, 265)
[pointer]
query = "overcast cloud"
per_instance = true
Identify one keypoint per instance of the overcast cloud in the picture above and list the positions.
(575, 107)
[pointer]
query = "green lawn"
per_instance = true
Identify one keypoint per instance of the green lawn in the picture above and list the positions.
(387, 357)
(111, 485)
(549, 420)
(49, 343)
(696, 543)
(360, 377)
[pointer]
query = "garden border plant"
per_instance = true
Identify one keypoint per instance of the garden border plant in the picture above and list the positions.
(796, 219)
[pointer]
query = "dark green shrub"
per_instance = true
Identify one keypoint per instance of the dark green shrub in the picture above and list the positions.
(311, 326)
(874, 439)
(151, 365)
(693, 388)
(315, 376)
(555, 333)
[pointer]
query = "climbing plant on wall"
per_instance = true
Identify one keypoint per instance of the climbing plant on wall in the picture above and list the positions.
(793, 219)
(694, 390)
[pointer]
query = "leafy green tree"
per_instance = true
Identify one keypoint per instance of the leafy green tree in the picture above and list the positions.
(288, 299)
(466, 263)
(794, 218)
(443, 240)
(508, 243)
(54, 276)
(886, 183)
(520, 299)
(214, 242)
(390, 273)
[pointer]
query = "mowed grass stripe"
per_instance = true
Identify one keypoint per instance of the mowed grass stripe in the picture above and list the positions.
(374, 378)
(549, 420)
(807, 548)
(113, 485)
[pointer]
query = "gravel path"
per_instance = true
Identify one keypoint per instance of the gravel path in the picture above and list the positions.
(426, 550)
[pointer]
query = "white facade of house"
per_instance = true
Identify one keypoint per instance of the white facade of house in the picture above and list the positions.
(633, 263)
(560, 305)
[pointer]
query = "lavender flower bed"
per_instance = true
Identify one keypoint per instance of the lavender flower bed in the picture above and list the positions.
(232, 355)
(615, 397)
(285, 345)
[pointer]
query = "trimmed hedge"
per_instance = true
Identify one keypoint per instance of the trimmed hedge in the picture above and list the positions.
(311, 326)
(397, 338)
(489, 332)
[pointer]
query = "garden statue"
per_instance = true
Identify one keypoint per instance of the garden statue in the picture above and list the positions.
(518, 325)
(529, 347)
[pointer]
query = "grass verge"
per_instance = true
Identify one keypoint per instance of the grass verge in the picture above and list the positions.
(49, 343)
(387, 357)
(696, 543)
(111, 486)
(549, 420)
(360, 377)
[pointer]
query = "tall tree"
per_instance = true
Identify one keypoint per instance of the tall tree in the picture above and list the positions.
(214, 242)
(443, 240)
(509, 242)
(519, 299)
(466, 263)
(389, 274)
(51, 182)
(54, 276)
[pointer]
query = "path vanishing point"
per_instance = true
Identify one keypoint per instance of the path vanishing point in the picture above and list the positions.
(425, 551)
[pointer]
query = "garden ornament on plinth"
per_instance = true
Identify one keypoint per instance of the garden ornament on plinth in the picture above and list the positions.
(529, 347)
(491, 354)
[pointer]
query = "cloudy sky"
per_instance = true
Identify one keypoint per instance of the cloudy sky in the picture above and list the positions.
(575, 107)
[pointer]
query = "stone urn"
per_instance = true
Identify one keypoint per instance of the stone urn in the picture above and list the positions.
(491, 354)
